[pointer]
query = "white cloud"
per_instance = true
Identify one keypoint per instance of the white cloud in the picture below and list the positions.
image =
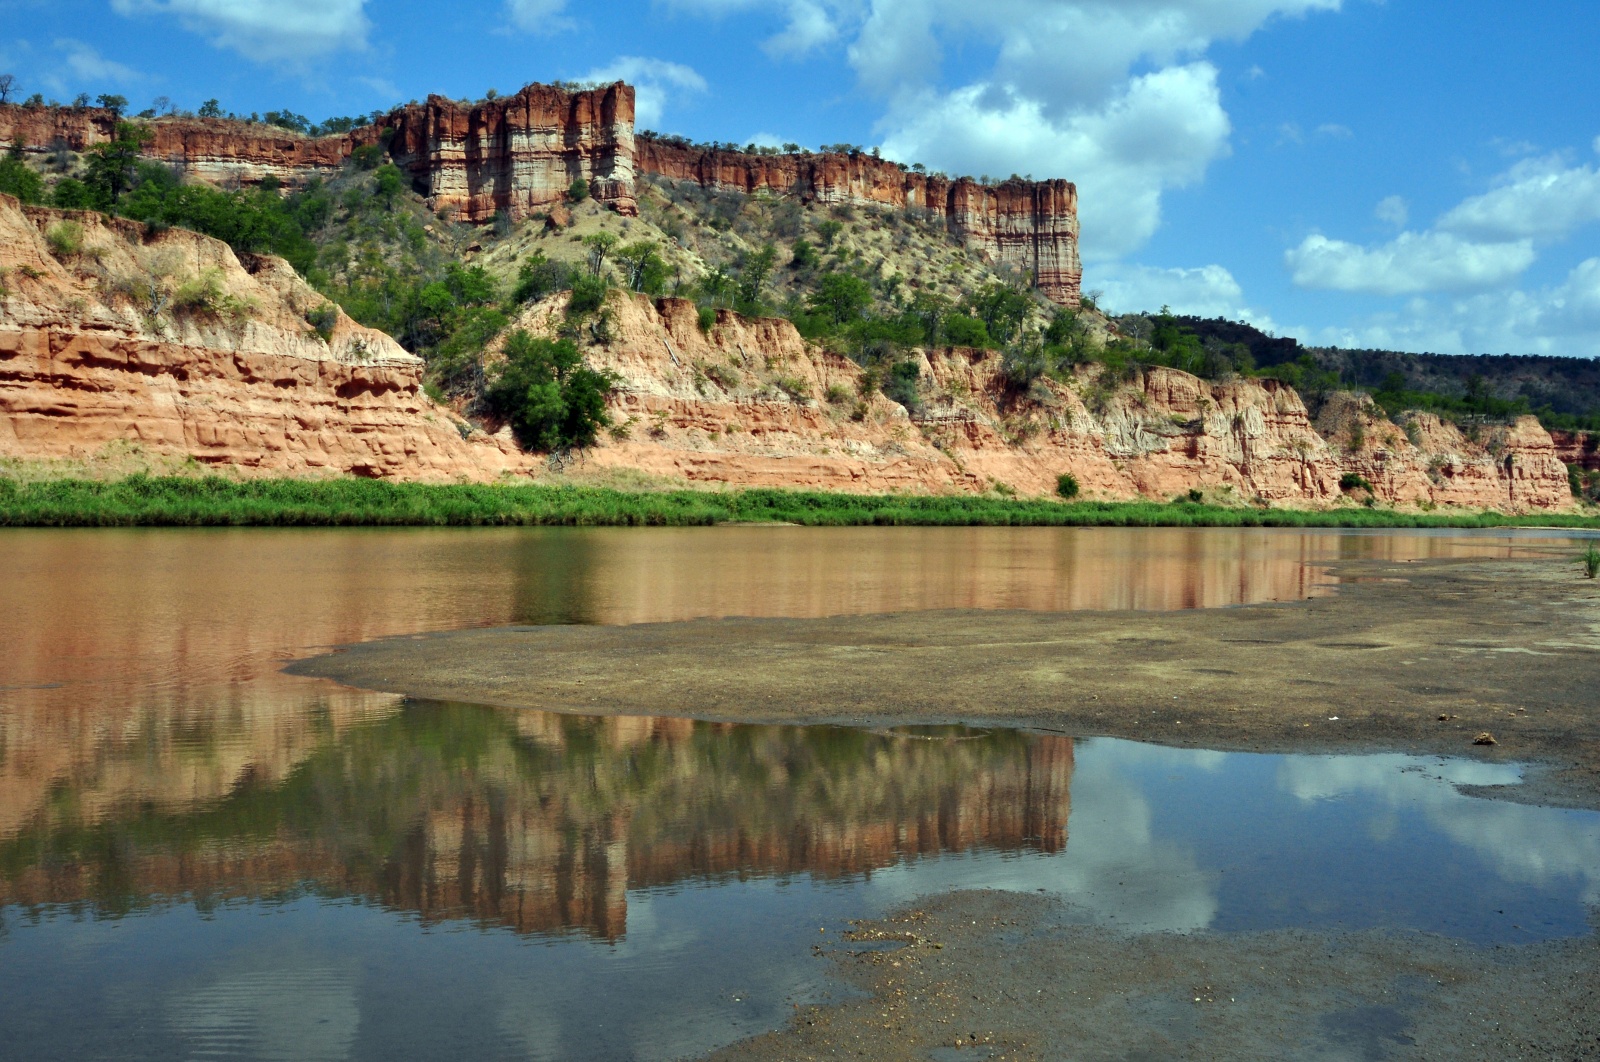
(1410, 263)
(1116, 96)
(1335, 131)
(1563, 319)
(657, 81)
(1209, 291)
(282, 32)
(1394, 211)
(810, 27)
(88, 65)
(1539, 198)
(1160, 132)
(538, 16)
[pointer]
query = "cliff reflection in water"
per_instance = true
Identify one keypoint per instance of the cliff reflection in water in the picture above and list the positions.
(141, 666)
(542, 823)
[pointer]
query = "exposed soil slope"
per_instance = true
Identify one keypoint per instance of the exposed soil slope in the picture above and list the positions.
(751, 403)
(111, 334)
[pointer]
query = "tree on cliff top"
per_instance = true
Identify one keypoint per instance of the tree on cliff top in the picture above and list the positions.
(8, 85)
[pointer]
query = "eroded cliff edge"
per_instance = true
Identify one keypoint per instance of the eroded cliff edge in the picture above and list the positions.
(110, 333)
(519, 154)
(751, 403)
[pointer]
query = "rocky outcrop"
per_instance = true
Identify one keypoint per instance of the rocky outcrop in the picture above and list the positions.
(1580, 448)
(750, 403)
(214, 150)
(1032, 225)
(109, 334)
(516, 154)
(519, 154)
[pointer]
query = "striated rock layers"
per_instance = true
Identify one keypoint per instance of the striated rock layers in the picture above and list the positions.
(752, 404)
(519, 154)
(515, 153)
(1030, 224)
(171, 341)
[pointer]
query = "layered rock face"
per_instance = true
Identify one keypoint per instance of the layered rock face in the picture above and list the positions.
(1032, 225)
(517, 153)
(214, 150)
(171, 341)
(752, 404)
(1581, 448)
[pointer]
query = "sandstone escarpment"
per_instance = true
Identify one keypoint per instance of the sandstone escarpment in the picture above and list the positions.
(1581, 448)
(109, 334)
(1032, 225)
(517, 153)
(214, 150)
(520, 154)
(750, 403)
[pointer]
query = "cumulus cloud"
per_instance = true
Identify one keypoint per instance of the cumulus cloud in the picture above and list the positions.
(538, 16)
(657, 81)
(1209, 291)
(1394, 210)
(1160, 132)
(1116, 96)
(1540, 199)
(1410, 263)
(88, 65)
(282, 32)
(1561, 319)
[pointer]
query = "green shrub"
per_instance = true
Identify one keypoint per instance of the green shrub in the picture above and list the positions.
(963, 331)
(72, 194)
(551, 399)
(1591, 561)
(538, 277)
(18, 180)
(903, 384)
(708, 318)
(1067, 485)
(65, 239)
(578, 190)
(588, 295)
(323, 318)
(367, 156)
(1355, 481)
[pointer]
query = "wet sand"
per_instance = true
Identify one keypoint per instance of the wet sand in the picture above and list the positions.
(1422, 657)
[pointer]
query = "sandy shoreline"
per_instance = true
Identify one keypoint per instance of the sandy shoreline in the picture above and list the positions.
(1420, 658)
(1417, 657)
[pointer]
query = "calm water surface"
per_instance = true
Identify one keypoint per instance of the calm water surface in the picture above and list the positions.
(202, 857)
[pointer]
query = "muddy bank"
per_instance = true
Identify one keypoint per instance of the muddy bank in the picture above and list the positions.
(988, 975)
(1417, 657)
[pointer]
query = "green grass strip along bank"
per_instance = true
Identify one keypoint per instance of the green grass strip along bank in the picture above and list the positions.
(217, 502)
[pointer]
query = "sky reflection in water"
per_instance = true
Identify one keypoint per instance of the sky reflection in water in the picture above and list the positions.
(202, 857)
(454, 879)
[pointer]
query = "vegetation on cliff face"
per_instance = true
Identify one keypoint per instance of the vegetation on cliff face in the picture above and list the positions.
(182, 501)
(872, 283)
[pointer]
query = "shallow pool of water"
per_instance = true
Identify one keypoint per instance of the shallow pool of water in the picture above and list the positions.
(201, 856)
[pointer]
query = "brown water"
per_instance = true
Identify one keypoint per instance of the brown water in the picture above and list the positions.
(232, 862)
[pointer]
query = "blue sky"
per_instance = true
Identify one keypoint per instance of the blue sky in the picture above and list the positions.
(1412, 174)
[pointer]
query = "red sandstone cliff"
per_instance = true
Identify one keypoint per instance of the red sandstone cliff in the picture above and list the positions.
(516, 153)
(174, 342)
(521, 153)
(752, 404)
(1032, 225)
